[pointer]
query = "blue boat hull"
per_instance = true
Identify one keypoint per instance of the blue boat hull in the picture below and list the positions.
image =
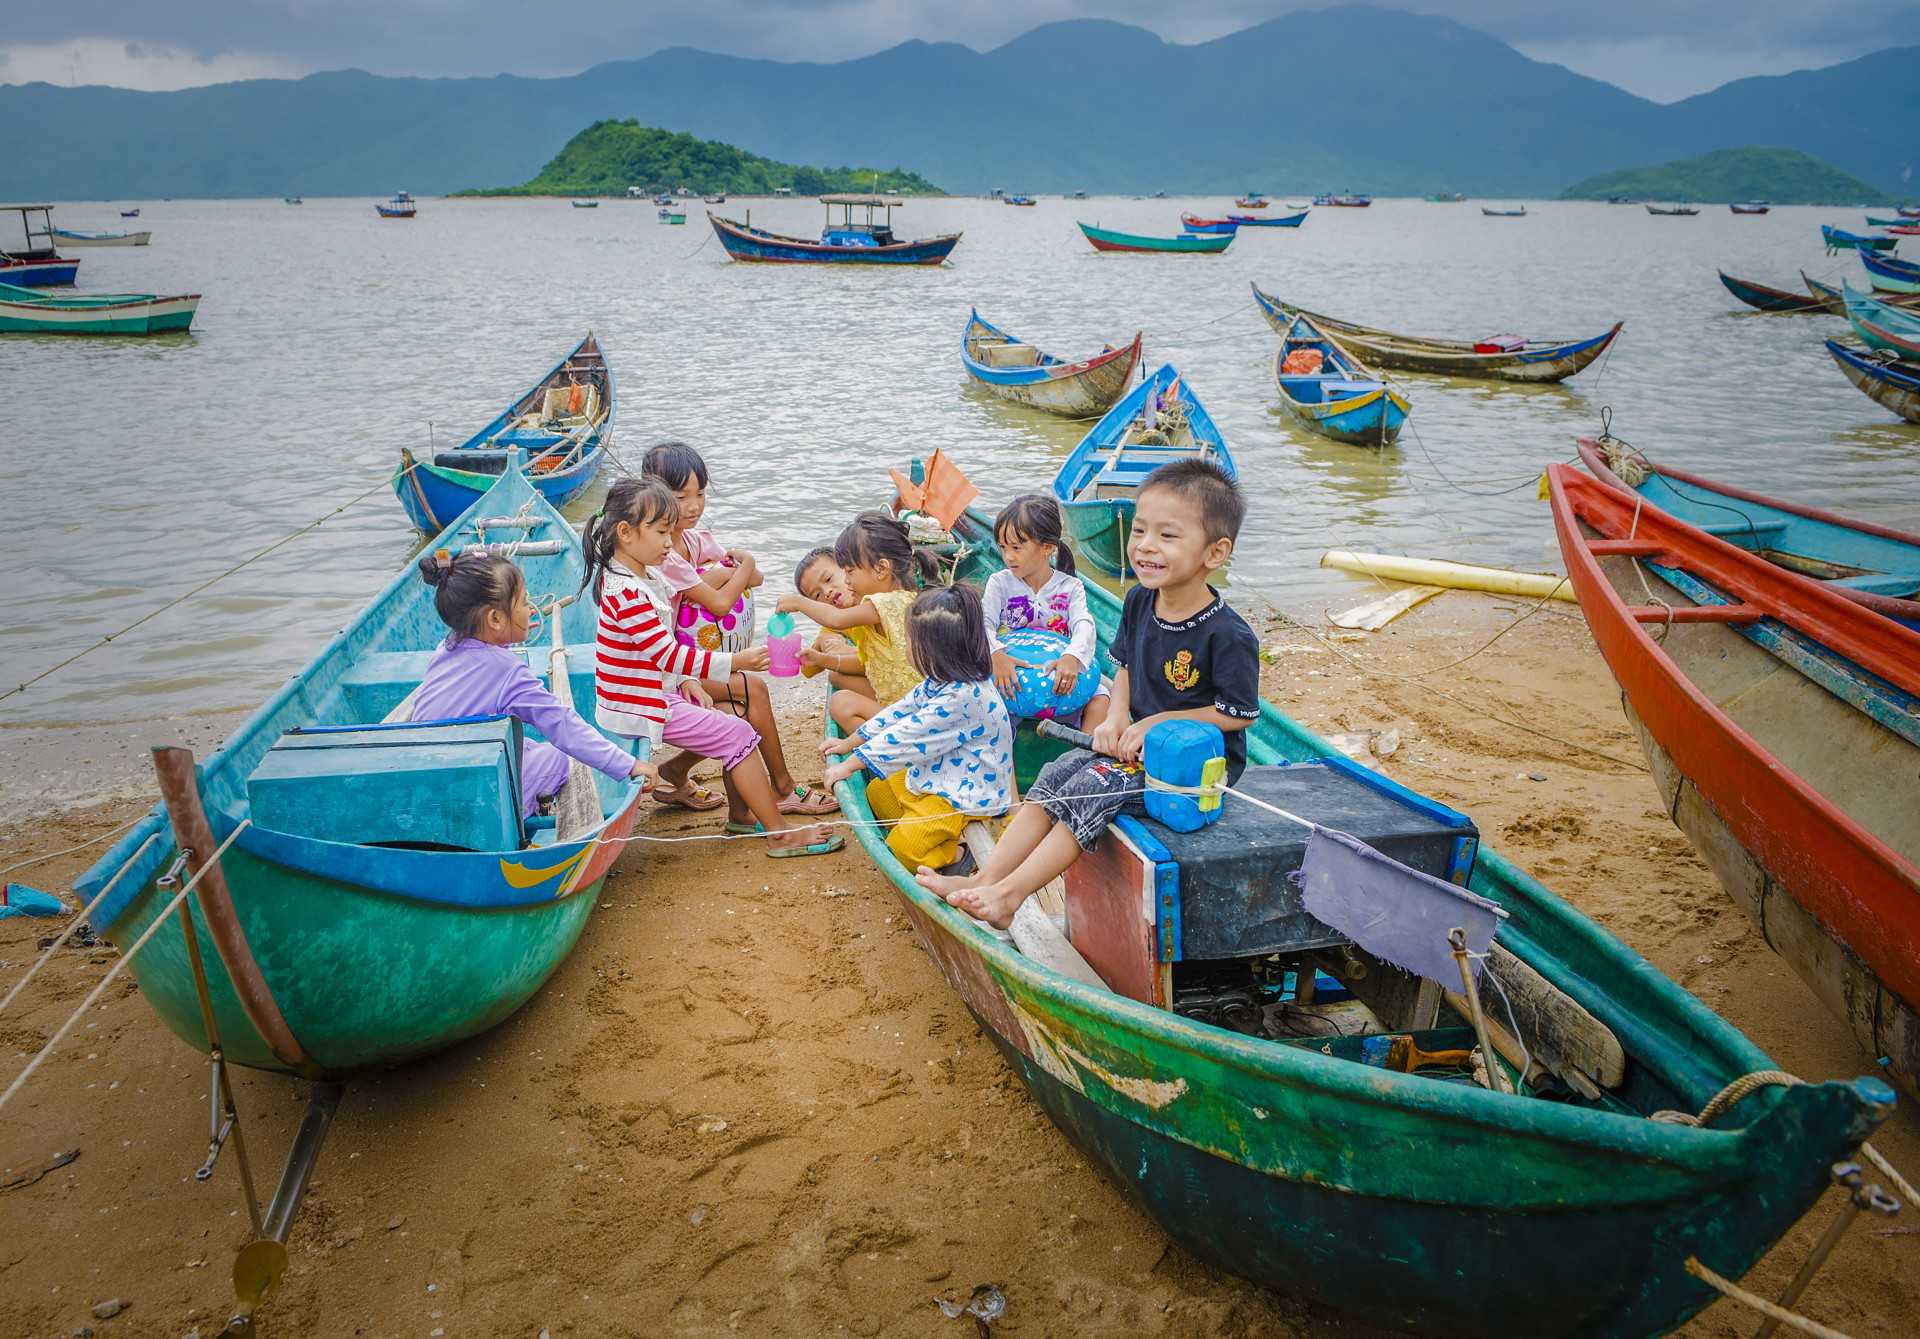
(1290, 221)
(1890, 275)
(750, 244)
(40, 273)
(434, 494)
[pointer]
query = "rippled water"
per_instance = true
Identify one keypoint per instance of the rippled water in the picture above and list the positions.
(134, 469)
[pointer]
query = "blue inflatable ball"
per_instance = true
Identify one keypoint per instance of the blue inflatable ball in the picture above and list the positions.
(1035, 696)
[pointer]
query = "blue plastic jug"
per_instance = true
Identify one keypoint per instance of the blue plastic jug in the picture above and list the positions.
(1185, 753)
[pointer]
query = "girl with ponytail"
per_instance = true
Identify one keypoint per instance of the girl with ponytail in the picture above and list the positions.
(482, 598)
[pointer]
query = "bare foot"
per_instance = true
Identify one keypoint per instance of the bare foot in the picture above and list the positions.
(811, 835)
(940, 885)
(993, 903)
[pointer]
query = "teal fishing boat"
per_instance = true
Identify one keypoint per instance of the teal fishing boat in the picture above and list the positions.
(1160, 420)
(1435, 1207)
(27, 311)
(1205, 244)
(375, 925)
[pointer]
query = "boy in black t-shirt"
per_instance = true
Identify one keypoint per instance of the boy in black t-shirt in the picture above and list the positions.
(1181, 653)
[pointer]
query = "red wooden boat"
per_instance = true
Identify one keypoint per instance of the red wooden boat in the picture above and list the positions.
(1779, 722)
(1194, 223)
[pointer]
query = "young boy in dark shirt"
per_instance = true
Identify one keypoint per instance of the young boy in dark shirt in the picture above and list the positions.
(1181, 653)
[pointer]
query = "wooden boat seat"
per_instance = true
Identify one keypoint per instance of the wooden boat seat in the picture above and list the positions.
(1757, 534)
(1009, 355)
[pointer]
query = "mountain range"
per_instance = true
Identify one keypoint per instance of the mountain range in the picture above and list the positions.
(1354, 97)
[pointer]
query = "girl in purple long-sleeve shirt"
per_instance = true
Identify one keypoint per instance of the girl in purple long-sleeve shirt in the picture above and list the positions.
(483, 598)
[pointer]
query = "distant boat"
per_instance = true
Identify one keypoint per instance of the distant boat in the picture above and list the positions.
(101, 238)
(134, 213)
(1751, 207)
(291, 199)
(718, 198)
(1159, 195)
(1446, 199)
(586, 204)
(1621, 200)
(24, 311)
(1838, 239)
(1024, 201)
(663, 199)
(1105, 239)
(1891, 275)
(1078, 195)
(1335, 394)
(36, 266)
(1193, 224)
(1285, 221)
(1015, 370)
(1766, 299)
(1344, 201)
(400, 207)
(1519, 213)
(673, 215)
(845, 243)
(1160, 421)
(1882, 378)
(1252, 200)
(1680, 210)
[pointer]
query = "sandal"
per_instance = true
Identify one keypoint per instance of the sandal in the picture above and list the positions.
(827, 847)
(806, 800)
(687, 796)
(753, 829)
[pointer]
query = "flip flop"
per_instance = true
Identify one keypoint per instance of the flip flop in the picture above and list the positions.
(806, 800)
(688, 796)
(745, 829)
(827, 847)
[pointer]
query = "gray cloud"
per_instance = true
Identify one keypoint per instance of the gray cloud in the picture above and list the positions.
(1660, 48)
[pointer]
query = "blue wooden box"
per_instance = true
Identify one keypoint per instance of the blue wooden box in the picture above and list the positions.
(436, 785)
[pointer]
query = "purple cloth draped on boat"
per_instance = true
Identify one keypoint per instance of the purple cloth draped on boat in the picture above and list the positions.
(469, 677)
(1393, 912)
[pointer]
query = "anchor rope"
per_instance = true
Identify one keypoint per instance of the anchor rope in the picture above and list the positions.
(77, 921)
(1760, 1304)
(91, 841)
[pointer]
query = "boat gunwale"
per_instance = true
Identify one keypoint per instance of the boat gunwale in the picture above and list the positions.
(1535, 351)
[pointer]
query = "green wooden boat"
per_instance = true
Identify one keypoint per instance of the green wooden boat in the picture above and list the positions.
(1206, 244)
(26, 311)
(374, 954)
(1421, 1205)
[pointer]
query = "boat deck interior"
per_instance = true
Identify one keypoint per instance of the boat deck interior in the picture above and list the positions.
(1117, 472)
(997, 351)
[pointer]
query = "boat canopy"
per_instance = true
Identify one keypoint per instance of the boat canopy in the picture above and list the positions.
(871, 201)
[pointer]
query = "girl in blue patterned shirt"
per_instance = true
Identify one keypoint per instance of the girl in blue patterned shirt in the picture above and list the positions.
(944, 752)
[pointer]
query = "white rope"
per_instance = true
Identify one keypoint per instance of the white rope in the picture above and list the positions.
(91, 841)
(126, 956)
(75, 924)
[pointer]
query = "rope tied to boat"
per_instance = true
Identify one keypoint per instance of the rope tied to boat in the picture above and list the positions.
(1622, 458)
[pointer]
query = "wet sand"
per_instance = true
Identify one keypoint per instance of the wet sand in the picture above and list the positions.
(748, 1103)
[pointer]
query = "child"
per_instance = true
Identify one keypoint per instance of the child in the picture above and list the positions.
(821, 579)
(643, 673)
(482, 597)
(1181, 653)
(884, 569)
(712, 607)
(1037, 589)
(944, 752)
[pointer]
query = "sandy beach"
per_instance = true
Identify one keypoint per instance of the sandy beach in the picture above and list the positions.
(748, 1103)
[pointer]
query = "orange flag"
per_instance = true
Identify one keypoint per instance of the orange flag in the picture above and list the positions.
(944, 496)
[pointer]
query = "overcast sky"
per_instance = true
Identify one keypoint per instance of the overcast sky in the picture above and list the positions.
(1661, 49)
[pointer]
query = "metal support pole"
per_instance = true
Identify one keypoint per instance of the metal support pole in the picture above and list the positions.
(262, 1266)
(1860, 1196)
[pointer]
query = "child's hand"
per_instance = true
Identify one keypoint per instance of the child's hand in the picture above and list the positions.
(691, 690)
(790, 604)
(840, 771)
(845, 744)
(753, 658)
(820, 660)
(1133, 741)
(1004, 677)
(1066, 673)
(649, 775)
(1106, 737)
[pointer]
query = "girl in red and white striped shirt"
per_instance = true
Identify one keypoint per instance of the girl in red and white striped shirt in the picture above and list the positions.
(646, 682)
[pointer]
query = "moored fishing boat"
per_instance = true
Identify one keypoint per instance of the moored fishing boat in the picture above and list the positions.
(1192, 223)
(1751, 207)
(1882, 378)
(1680, 210)
(1773, 299)
(848, 243)
(1160, 420)
(1331, 391)
(30, 266)
(1839, 239)
(1519, 213)
(1252, 200)
(1872, 565)
(1891, 275)
(1208, 244)
(1504, 358)
(1343, 201)
(1297, 1166)
(557, 432)
(134, 213)
(586, 204)
(24, 311)
(1778, 721)
(100, 238)
(1882, 324)
(1829, 296)
(1287, 221)
(1015, 370)
(402, 206)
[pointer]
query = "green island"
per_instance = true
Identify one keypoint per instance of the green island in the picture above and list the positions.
(1728, 176)
(609, 156)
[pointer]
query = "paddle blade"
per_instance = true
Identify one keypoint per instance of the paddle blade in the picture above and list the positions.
(1392, 911)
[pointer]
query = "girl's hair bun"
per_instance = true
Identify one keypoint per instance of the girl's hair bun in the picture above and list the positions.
(435, 566)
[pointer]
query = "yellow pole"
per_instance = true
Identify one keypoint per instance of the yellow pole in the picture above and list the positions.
(1456, 576)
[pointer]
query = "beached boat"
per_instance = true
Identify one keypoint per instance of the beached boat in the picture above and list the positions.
(1838, 239)
(1680, 210)
(845, 243)
(1343, 201)
(1160, 420)
(26, 311)
(363, 946)
(99, 238)
(1335, 394)
(402, 206)
(1773, 299)
(1882, 378)
(1873, 565)
(1519, 213)
(1252, 200)
(1778, 721)
(1830, 297)
(1500, 357)
(30, 266)
(1193, 223)
(1286, 221)
(1206, 244)
(557, 432)
(1891, 275)
(1432, 1207)
(1015, 370)
(1751, 207)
